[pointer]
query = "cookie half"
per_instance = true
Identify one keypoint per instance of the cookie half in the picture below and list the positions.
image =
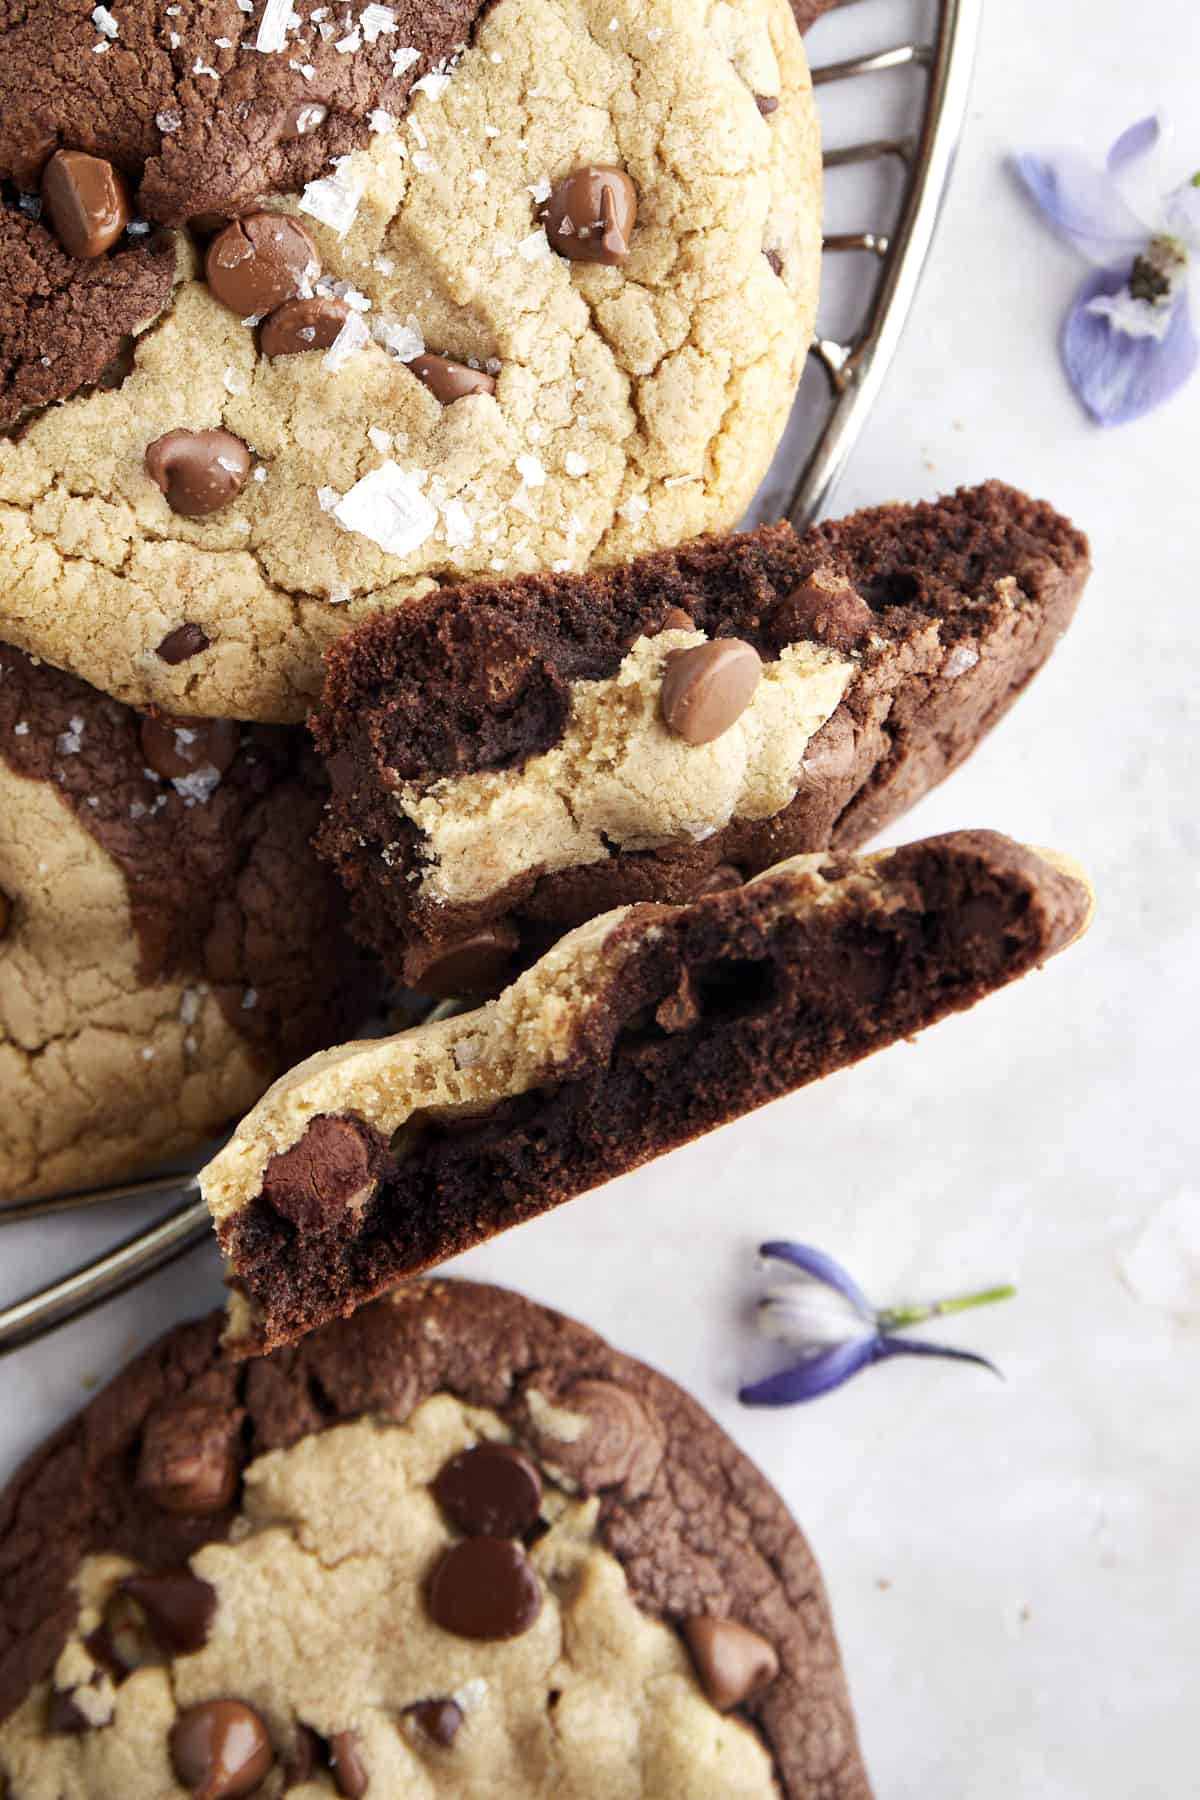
(557, 1575)
(169, 942)
(456, 288)
(635, 1033)
(514, 758)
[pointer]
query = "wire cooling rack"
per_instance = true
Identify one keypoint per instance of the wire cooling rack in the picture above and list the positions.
(844, 375)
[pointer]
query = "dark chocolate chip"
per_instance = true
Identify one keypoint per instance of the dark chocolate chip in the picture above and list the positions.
(179, 1608)
(706, 689)
(448, 380)
(732, 1662)
(827, 608)
(257, 263)
(474, 965)
(185, 641)
(490, 1490)
(326, 1172)
(484, 1588)
(220, 1749)
(6, 913)
(62, 1714)
(174, 746)
(189, 1462)
(85, 201)
(440, 1720)
(199, 471)
(300, 325)
(591, 213)
(349, 1770)
(767, 104)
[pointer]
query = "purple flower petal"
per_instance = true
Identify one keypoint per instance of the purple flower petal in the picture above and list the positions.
(815, 1375)
(1134, 143)
(1118, 377)
(894, 1346)
(1084, 205)
(821, 1268)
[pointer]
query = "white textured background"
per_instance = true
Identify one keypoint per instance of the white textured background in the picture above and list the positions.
(1014, 1568)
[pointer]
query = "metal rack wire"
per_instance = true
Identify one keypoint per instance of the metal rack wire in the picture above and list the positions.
(853, 369)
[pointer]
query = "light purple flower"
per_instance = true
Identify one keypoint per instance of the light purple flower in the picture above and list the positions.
(1128, 342)
(822, 1311)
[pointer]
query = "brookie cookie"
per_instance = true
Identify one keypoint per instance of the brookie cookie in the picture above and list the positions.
(556, 1576)
(304, 312)
(514, 758)
(635, 1033)
(168, 940)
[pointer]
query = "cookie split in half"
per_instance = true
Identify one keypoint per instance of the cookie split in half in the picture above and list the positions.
(558, 1575)
(635, 1033)
(512, 758)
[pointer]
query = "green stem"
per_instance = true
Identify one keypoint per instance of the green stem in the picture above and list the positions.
(896, 1318)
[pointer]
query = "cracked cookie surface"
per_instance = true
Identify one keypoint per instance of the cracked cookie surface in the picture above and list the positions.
(634, 405)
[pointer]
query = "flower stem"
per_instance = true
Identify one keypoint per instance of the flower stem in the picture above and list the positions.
(895, 1318)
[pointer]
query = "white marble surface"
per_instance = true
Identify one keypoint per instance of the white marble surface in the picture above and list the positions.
(1013, 1567)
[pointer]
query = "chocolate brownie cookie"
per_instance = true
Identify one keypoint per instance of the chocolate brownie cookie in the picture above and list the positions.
(638, 1031)
(457, 290)
(556, 1576)
(513, 758)
(168, 940)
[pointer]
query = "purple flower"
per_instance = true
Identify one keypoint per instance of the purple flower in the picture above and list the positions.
(1128, 342)
(822, 1310)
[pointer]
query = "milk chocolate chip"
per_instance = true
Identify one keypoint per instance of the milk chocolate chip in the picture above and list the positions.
(440, 1720)
(732, 1662)
(613, 1442)
(475, 965)
(220, 1749)
(767, 104)
(707, 688)
(829, 610)
(491, 1490)
(178, 1606)
(189, 1462)
(186, 640)
(85, 201)
(326, 1172)
(484, 1588)
(257, 263)
(448, 380)
(675, 619)
(175, 746)
(591, 213)
(349, 1770)
(303, 325)
(198, 471)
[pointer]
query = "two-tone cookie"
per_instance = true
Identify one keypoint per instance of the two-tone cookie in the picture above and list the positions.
(169, 942)
(632, 1035)
(305, 312)
(455, 1545)
(511, 759)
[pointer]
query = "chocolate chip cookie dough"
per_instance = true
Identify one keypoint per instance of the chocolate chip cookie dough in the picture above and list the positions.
(513, 758)
(632, 1035)
(342, 305)
(557, 1577)
(168, 941)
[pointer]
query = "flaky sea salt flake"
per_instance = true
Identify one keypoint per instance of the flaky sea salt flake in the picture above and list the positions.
(404, 59)
(333, 199)
(273, 26)
(168, 119)
(104, 22)
(536, 247)
(388, 507)
(377, 22)
(352, 338)
(531, 471)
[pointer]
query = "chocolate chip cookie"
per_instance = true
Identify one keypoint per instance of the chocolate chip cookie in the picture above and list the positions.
(455, 1545)
(635, 1033)
(168, 940)
(304, 313)
(510, 759)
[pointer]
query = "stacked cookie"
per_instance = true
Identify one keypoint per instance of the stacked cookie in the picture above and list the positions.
(407, 368)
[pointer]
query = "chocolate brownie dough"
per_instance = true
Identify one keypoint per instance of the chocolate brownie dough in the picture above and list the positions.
(557, 1577)
(632, 1035)
(512, 759)
(168, 941)
(465, 289)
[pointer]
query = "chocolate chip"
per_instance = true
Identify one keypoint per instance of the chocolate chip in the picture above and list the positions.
(475, 965)
(185, 641)
(300, 119)
(591, 213)
(175, 746)
(121, 1642)
(198, 471)
(675, 619)
(484, 1588)
(85, 201)
(448, 380)
(767, 104)
(440, 1720)
(776, 262)
(189, 1460)
(490, 1490)
(179, 1608)
(6, 913)
(257, 263)
(707, 688)
(63, 1715)
(619, 1445)
(825, 607)
(349, 1771)
(300, 325)
(220, 1749)
(732, 1662)
(305, 1757)
(326, 1172)
(721, 880)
